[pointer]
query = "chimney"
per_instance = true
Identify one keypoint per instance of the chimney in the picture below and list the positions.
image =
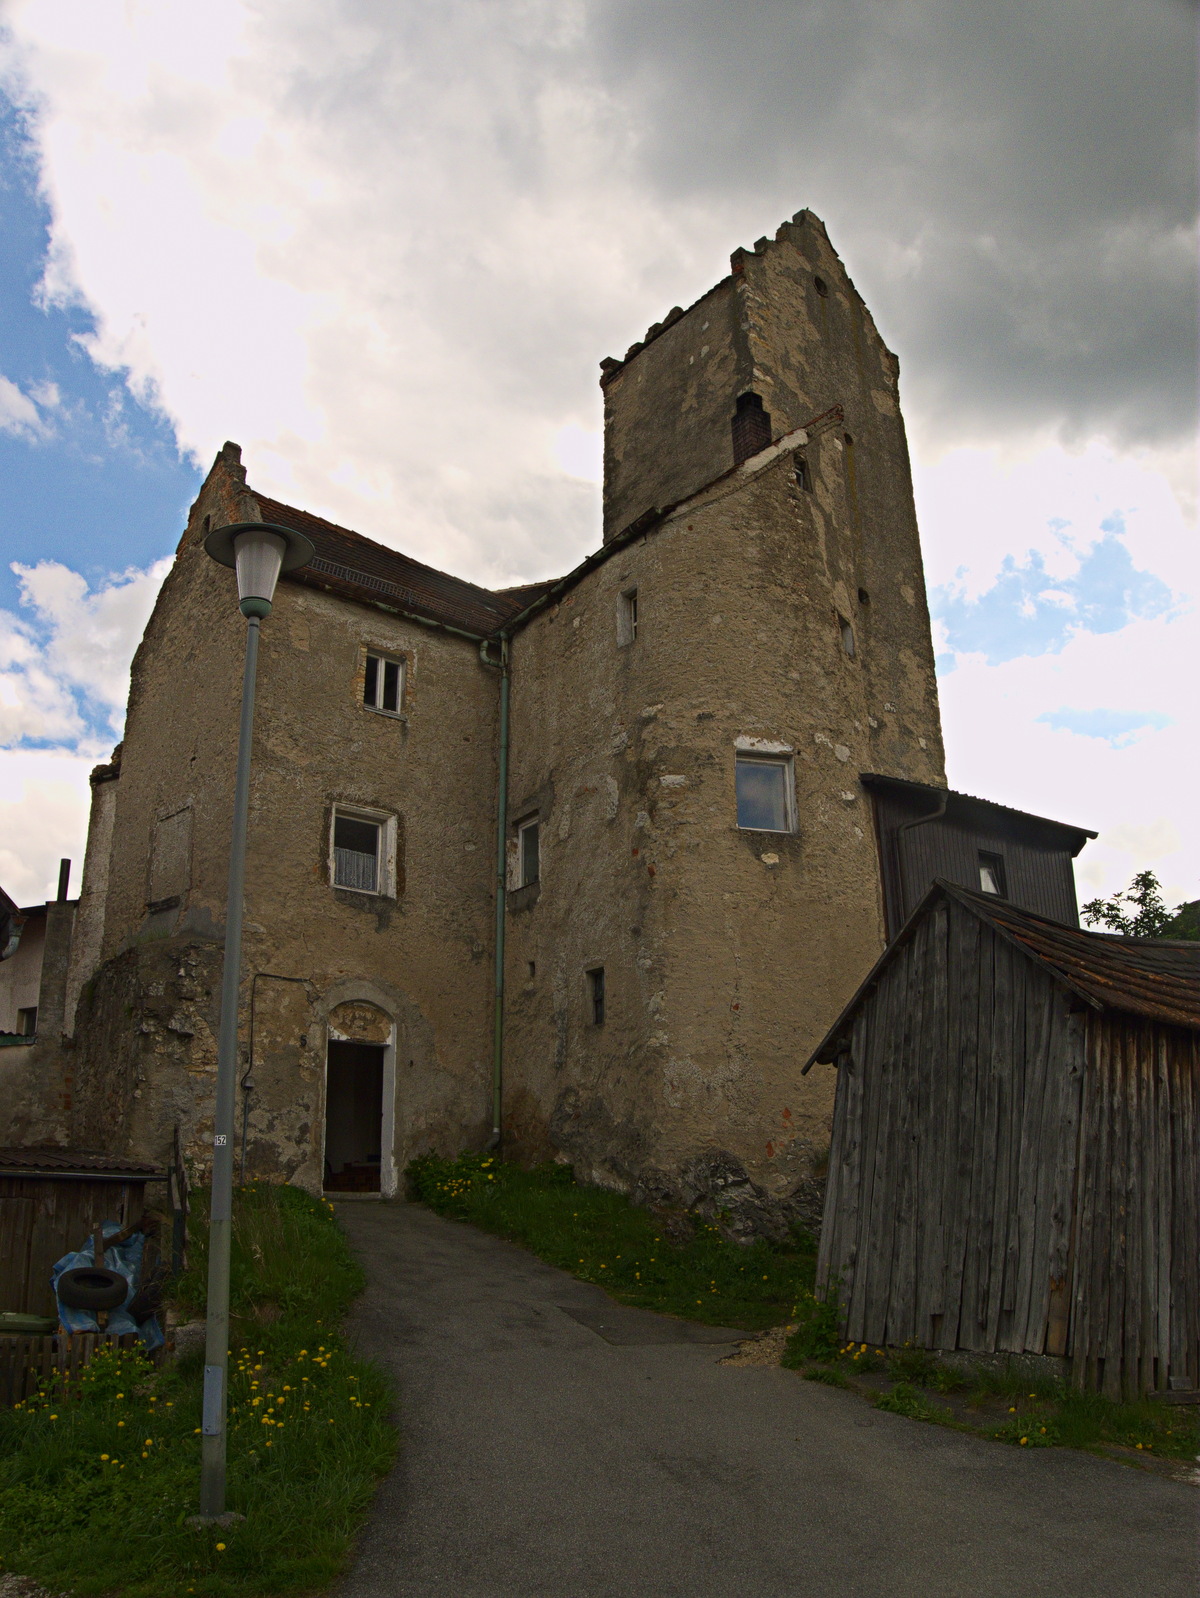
(751, 427)
(64, 879)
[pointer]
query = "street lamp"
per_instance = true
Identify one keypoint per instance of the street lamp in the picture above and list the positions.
(259, 551)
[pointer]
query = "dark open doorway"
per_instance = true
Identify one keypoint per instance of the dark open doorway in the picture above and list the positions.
(353, 1117)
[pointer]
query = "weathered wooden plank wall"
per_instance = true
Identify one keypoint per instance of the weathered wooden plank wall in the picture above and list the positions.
(1011, 1173)
(43, 1218)
(1135, 1311)
(29, 1363)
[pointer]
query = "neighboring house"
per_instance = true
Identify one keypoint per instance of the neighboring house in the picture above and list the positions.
(22, 944)
(35, 947)
(926, 832)
(1015, 1164)
(663, 743)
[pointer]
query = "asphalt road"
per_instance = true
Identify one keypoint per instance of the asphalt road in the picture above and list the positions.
(556, 1444)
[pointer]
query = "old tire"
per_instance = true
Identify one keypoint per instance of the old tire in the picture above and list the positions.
(92, 1287)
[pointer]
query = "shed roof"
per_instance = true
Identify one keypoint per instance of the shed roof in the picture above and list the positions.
(73, 1162)
(1158, 978)
(984, 814)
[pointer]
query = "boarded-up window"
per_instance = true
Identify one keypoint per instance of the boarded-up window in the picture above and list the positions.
(171, 858)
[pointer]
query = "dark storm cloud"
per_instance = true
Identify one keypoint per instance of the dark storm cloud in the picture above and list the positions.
(1012, 186)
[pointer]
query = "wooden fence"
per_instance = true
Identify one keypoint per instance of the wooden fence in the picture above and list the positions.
(28, 1363)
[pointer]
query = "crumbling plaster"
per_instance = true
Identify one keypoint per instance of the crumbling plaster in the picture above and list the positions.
(424, 952)
(724, 950)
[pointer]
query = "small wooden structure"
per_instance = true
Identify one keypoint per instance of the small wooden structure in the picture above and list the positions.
(50, 1200)
(29, 1363)
(925, 833)
(1015, 1161)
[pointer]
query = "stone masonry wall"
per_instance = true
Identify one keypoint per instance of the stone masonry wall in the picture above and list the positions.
(725, 952)
(147, 1021)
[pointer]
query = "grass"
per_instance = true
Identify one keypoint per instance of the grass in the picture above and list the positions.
(1003, 1402)
(599, 1236)
(96, 1486)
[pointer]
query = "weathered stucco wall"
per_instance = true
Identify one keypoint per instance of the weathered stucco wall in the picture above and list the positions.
(769, 328)
(87, 935)
(725, 951)
(147, 1023)
(21, 973)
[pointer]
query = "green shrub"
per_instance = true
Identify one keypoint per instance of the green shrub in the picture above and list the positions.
(904, 1399)
(309, 1434)
(829, 1374)
(911, 1364)
(816, 1334)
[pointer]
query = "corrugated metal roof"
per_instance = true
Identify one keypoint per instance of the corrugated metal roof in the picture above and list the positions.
(1158, 978)
(358, 568)
(75, 1162)
(1078, 836)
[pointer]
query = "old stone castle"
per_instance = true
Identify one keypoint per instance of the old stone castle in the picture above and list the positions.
(694, 871)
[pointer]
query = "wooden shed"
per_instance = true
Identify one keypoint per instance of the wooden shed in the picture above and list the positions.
(50, 1199)
(1015, 1161)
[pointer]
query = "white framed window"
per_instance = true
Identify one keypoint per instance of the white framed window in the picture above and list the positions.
(362, 851)
(383, 684)
(627, 617)
(991, 875)
(766, 795)
(528, 853)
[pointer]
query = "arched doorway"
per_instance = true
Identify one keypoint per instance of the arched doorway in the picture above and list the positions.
(359, 1099)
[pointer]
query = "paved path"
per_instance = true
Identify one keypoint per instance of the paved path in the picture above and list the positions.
(541, 1456)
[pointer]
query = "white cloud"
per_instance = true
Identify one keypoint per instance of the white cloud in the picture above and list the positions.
(580, 452)
(1139, 796)
(18, 413)
(979, 506)
(44, 800)
(64, 671)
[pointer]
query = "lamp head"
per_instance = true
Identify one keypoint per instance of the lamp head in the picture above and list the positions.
(258, 551)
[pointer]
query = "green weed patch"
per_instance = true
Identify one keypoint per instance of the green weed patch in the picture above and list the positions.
(599, 1236)
(96, 1485)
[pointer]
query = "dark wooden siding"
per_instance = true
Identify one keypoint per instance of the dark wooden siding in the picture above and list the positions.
(43, 1218)
(1012, 1173)
(1039, 878)
(1136, 1301)
(952, 1169)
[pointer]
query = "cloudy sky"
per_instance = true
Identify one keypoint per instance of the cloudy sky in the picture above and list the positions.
(383, 245)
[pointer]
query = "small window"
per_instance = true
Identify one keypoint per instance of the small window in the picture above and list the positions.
(821, 286)
(383, 685)
(803, 478)
(764, 794)
(27, 1022)
(863, 597)
(527, 849)
(596, 986)
(991, 875)
(627, 617)
(847, 636)
(356, 854)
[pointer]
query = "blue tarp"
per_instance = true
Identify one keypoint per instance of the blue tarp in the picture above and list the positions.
(126, 1258)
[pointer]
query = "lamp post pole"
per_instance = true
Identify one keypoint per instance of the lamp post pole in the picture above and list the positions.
(220, 1217)
(259, 551)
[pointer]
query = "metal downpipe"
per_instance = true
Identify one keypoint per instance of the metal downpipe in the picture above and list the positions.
(501, 890)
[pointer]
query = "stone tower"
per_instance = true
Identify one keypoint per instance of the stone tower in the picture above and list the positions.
(756, 625)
